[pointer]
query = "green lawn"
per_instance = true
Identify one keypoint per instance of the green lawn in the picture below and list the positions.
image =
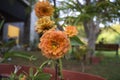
(109, 68)
(108, 53)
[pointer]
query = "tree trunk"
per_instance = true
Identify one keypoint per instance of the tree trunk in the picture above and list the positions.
(91, 31)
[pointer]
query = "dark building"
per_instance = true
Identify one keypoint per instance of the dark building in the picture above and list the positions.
(15, 11)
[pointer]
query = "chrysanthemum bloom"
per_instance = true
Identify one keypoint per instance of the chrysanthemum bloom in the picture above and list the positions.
(71, 31)
(43, 8)
(43, 24)
(54, 44)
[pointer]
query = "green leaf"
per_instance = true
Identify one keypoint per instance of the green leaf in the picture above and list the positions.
(10, 43)
(76, 41)
(70, 51)
(24, 55)
(43, 76)
(19, 54)
(31, 72)
(1, 23)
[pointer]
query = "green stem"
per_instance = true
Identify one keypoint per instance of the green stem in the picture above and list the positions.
(60, 65)
(41, 66)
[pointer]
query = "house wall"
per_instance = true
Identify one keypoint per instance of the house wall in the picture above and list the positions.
(33, 34)
(20, 25)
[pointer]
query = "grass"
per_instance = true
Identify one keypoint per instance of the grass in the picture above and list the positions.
(108, 68)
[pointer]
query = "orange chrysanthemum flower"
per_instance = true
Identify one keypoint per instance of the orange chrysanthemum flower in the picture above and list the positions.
(71, 31)
(43, 8)
(43, 24)
(54, 44)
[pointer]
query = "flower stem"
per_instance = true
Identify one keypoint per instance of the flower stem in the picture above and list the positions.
(41, 66)
(56, 70)
(60, 67)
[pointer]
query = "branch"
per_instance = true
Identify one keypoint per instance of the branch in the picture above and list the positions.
(54, 3)
(79, 3)
(87, 2)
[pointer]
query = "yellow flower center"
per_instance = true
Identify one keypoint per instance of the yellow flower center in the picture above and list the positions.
(54, 45)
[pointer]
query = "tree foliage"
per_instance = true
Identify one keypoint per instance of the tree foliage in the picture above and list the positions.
(91, 13)
(103, 11)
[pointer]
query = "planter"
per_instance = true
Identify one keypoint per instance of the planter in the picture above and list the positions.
(7, 69)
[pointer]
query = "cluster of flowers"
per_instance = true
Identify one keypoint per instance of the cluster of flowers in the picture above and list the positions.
(53, 43)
